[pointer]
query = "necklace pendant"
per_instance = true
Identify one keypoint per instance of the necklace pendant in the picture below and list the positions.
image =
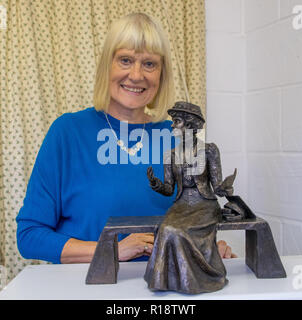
(120, 143)
(131, 151)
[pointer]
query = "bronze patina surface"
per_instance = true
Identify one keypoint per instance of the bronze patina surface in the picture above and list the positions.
(260, 251)
(185, 256)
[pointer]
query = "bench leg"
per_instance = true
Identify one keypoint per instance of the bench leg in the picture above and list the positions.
(104, 266)
(261, 254)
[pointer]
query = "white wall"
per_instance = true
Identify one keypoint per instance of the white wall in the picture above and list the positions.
(254, 111)
(273, 103)
(225, 46)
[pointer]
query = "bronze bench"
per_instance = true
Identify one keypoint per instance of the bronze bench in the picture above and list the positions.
(261, 255)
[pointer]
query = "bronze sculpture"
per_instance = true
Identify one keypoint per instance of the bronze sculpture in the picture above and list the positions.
(185, 256)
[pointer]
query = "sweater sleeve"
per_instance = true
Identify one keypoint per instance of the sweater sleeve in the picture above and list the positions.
(41, 211)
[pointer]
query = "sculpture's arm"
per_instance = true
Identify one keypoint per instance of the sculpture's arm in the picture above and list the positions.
(214, 164)
(166, 188)
(221, 188)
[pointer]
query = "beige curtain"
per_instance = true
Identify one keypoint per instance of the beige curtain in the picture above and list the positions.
(48, 55)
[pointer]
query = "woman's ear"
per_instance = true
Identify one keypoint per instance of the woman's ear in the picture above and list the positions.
(198, 124)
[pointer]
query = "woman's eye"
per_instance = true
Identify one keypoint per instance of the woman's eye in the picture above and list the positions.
(125, 61)
(149, 65)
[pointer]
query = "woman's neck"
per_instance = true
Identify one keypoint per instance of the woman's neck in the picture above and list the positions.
(131, 116)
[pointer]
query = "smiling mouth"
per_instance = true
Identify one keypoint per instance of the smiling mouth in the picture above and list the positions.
(132, 89)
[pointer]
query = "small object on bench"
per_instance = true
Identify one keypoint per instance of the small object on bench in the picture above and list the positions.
(236, 210)
(261, 255)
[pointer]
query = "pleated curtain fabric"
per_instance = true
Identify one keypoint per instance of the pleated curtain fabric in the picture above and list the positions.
(48, 55)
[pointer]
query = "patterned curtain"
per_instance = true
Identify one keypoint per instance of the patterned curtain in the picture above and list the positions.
(48, 55)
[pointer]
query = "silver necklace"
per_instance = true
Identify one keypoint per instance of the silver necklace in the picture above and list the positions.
(132, 151)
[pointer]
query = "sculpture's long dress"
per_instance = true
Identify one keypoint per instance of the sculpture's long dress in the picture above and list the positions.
(185, 256)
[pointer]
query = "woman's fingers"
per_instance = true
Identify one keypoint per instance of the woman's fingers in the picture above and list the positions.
(228, 252)
(221, 247)
(135, 245)
(148, 240)
(139, 244)
(148, 237)
(148, 249)
(225, 251)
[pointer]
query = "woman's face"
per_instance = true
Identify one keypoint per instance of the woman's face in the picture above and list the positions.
(134, 79)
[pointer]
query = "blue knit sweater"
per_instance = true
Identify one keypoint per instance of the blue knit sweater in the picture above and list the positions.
(81, 177)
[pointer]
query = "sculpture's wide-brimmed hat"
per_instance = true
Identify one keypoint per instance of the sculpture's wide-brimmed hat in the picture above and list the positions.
(187, 107)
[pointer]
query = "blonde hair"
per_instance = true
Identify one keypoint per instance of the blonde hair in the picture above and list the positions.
(138, 32)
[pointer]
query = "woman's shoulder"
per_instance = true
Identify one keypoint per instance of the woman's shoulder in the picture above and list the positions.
(71, 118)
(68, 122)
(76, 115)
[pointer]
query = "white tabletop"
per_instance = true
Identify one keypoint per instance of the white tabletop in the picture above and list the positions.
(68, 282)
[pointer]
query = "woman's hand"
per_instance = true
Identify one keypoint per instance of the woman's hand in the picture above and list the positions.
(225, 251)
(135, 245)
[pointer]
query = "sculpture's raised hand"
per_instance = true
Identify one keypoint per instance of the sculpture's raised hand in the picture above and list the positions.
(226, 187)
(155, 183)
(224, 192)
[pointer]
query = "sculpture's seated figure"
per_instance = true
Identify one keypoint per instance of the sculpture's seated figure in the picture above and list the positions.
(185, 256)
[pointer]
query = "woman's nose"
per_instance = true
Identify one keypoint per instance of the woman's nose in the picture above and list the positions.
(136, 72)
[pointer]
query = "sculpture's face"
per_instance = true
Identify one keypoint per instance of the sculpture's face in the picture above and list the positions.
(178, 125)
(183, 121)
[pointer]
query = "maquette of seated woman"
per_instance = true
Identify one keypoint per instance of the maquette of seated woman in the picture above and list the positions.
(185, 256)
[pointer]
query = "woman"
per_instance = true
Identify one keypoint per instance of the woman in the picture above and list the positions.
(185, 257)
(71, 193)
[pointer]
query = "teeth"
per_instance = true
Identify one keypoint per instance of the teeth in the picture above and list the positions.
(133, 89)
